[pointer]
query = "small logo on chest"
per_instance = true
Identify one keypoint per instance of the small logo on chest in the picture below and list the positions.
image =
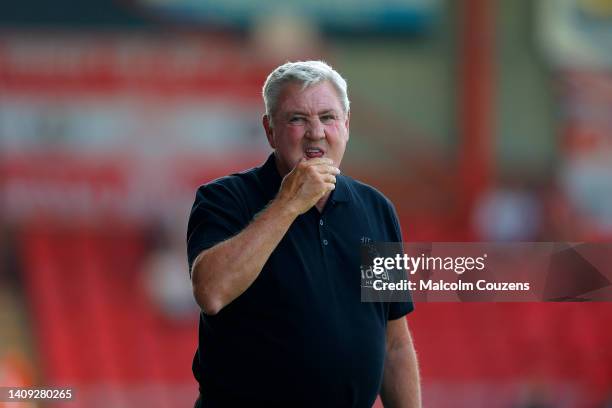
(366, 240)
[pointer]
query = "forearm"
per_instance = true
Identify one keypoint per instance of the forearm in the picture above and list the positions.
(401, 384)
(220, 274)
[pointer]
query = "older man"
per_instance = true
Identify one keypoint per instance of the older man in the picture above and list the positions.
(275, 267)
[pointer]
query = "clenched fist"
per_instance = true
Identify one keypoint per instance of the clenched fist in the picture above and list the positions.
(307, 183)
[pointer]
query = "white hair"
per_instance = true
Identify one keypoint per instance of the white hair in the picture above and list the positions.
(307, 73)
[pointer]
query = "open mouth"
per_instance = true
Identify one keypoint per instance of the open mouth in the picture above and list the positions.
(313, 152)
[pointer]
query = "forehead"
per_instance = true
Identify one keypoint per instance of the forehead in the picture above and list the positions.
(314, 98)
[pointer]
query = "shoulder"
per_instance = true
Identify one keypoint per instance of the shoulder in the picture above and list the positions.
(375, 206)
(233, 195)
(367, 194)
(233, 186)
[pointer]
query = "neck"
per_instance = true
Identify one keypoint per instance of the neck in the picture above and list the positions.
(281, 170)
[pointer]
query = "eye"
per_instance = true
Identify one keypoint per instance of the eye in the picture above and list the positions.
(327, 118)
(296, 119)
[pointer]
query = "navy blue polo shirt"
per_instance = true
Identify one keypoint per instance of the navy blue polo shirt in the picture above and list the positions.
(299, 335)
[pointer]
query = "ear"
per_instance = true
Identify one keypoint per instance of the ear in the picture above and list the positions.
(347, 123)
(265, 120)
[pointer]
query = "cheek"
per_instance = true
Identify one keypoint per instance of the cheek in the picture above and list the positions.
(293, 136)
(337, 134)
(289, 145)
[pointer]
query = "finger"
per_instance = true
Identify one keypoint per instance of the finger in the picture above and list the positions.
(302, 161)
(300, 164)
(326, 169)
(319, 161)
(334, 170)
(329, 178)
(330, 186)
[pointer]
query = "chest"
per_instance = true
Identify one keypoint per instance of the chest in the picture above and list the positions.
(320, 255)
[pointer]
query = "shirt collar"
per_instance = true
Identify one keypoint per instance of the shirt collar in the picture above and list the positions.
(341, 193)
(271, 181)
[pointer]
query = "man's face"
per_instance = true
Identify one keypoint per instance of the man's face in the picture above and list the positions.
(307, 123)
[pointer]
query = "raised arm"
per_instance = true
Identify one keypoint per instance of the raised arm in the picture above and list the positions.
(223, 272)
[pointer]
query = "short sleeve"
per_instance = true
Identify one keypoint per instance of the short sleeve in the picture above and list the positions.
(398, 309)
(216, 215)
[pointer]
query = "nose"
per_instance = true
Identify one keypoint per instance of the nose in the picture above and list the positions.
(316, 130)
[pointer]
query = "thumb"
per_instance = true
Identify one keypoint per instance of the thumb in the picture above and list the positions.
(302, 160)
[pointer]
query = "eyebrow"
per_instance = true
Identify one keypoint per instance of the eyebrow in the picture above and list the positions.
(323, 112)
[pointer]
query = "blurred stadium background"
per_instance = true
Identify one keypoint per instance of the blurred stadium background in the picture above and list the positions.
(481, 120)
